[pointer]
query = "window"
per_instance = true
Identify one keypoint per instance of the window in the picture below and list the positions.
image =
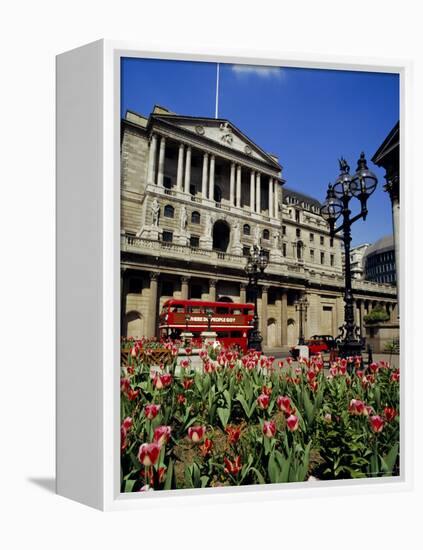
(169, 211)
(284, 249)
(331, 242)
(266, 234)
(245, 250)
(247, 229)
(322, 240)
(298, 232)
(322, 258)
(311, 237)
(297, 215)
(332, 260)
(167, 182)
(194, 241)
(192, 189)
(312, 255)
(167, 236)
(195, 217)
(284, 230)
(299, 250)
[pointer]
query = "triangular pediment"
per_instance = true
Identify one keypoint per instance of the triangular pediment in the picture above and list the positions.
(222, 132)
(390, 143)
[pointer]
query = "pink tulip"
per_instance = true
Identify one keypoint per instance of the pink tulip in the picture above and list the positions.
(263, 401)
(148, 454)
(376, 423)
(127, 423)
(161, 381)
(389, 413)
(151, 411)
(196, 433)
(269, 428)
(284, 404)
(161, 435)
(292, 423)
(356, 407)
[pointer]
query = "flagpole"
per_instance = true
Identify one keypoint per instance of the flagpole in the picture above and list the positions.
(216, 112)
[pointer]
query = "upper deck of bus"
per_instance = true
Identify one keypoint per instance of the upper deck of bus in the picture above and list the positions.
(203, 305)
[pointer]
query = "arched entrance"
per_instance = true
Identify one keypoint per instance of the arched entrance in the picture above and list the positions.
(221, 235)
(225, 299)
(134, 325)
(272, 333)
(291, 332)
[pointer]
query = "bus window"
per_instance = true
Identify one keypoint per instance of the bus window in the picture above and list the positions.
(222, 310)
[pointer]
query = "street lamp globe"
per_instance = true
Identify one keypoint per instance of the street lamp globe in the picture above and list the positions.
(364, 181)
(249, 267)
(263, 261)
(342, 185)
(332, 207)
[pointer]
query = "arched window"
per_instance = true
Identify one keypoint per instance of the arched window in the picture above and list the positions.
(195, 217)
(247, 229)
(266, 234)
(299, 250)
(169, 211)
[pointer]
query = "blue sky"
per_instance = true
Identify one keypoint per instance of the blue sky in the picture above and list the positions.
(307, 117)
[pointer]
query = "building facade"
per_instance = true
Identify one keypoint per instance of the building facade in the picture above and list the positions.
(196, 194)
(379, 261)
(357, 260)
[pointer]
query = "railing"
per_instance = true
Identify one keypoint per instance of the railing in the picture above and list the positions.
(140, 244)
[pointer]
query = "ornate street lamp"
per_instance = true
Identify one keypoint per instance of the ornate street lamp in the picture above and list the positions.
(361, 185)
(257, 262)
(187, 320)
(209, 315)
(301, 306)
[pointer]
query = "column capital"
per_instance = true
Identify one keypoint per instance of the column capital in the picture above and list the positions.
(154, 275)
(265, 288)
(243, 286)
(212, 282)
(185, 278)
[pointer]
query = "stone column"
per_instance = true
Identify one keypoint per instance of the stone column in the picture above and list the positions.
(161, 161)
(258, 193)
(271, 201)
(211, 178)
(180, 172)
(212, 290)
(187, 170)
(394, 312)
(232, 185)
(123, 294)
(242, 293)
(205, 175)
(284, 318)
(263, 316)
(238, 186)
(252, 191)
(184, 288)
(362, 314)
(276, 199)
(152, 160)
(152, 305)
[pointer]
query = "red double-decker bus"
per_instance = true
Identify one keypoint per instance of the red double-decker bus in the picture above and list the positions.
(230, 321)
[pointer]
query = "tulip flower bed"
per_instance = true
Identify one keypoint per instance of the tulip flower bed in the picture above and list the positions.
(243, 420)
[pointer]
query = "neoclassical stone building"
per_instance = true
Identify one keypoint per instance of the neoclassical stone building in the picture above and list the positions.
(196, 194)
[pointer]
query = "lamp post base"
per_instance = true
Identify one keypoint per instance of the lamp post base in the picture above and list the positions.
(254, 341)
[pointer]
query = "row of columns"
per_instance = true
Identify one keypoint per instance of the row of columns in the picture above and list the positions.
(183, 177)
(362, 306)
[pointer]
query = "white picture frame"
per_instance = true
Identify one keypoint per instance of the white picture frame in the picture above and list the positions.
(88, 279)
